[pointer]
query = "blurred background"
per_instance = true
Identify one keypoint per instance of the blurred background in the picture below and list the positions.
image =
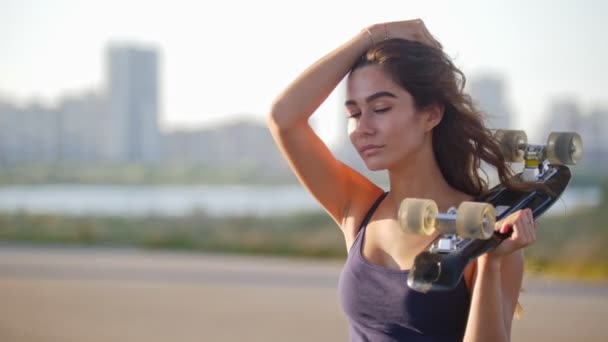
(142, 198)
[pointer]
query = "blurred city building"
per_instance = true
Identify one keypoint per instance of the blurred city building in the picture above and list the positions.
(565, 114)
(82, 124)
(28, 134)
(237, 145)
(489, 94)
(133, 103)
(595, 136)
(117, 124)
(120, 123)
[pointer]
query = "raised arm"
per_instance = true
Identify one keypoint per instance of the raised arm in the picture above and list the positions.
(332, 183)
(328, 180)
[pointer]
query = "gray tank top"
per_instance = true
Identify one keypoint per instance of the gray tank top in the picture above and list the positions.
(379, 306)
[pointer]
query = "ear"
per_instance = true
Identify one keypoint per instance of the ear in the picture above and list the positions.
(434, 115)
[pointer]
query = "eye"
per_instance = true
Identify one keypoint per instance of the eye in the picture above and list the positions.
(382, 110)
(354, 115)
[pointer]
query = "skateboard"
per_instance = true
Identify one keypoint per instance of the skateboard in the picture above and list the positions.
(468, 231)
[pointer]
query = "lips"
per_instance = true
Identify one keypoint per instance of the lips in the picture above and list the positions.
(369, 149)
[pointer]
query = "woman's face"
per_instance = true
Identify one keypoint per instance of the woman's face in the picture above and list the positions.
(383, 124)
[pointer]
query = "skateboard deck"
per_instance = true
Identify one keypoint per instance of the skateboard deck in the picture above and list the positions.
(441, 266)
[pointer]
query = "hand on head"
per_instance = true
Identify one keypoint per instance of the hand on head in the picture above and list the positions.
(414, 30)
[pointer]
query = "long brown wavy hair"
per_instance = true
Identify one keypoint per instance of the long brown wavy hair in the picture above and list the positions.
(461, 141)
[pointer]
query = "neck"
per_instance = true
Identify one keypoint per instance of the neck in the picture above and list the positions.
(422, 178)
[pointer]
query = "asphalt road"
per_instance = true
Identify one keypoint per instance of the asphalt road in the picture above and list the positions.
(93, 294)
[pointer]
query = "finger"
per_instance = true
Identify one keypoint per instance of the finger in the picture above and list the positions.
(526, 238)
(531, 228)
(524, 223)
(530, 216)
(530, 237)
(523, 230)
(430, 40)
(418, 22)
(504, 227)
(420, 32)
(527, 229)
(515, 230)
(533, 231)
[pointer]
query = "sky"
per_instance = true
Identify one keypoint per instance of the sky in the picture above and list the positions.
(226, 60)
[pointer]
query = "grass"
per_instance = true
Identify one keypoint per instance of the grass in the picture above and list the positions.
(173, 173)
(574, 245)
(566, 247)
(306, 235)
(571, 246)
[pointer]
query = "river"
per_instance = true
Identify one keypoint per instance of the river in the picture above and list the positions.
(221, 200)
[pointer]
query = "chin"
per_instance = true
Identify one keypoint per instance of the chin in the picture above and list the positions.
(376, 168)
(374, 165)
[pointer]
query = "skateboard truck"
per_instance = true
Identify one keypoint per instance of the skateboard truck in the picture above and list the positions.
(471, 219)
(561, 148)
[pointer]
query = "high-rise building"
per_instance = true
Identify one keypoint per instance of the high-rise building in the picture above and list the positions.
(133, 103)
(592, 129)
(488, 92)
(564, 114)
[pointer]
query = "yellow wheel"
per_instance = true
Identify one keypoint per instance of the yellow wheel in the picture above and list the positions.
(564, 148)
(418, 215)
(475, 220)
(510, 142)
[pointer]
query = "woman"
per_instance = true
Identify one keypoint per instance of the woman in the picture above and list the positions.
(407, 115)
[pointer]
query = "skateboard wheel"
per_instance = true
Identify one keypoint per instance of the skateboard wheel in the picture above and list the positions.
(510, 142)
(475, 220)
(564, 148)
(418, 215)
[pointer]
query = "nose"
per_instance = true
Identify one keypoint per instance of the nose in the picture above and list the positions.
(362, 125)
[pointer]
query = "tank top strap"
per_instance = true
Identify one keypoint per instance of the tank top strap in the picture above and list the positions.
(371, 211)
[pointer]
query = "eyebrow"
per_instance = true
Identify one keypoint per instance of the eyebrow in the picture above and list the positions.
(372, 97)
